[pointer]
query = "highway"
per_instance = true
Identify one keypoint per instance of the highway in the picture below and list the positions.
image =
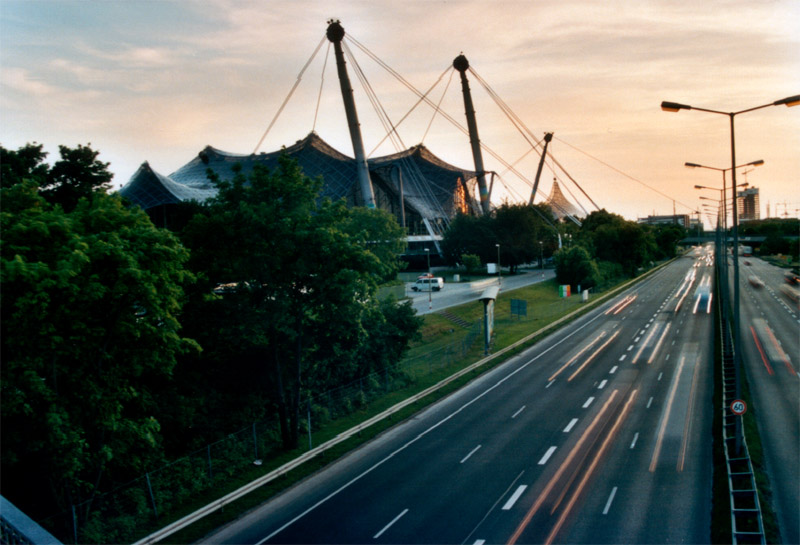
(771, 353)
(600, 433)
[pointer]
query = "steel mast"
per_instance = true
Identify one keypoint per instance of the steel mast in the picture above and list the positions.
(335, 34)
(461, 64)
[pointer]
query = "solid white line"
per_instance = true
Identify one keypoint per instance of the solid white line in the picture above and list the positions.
(547, 456)
(602, 384)
(519, 411)
(514, 497)
(570, 425)
(473, 451)
(588, 402)
(635, 438)
(613, 370)
(610, 499)
(379, 534)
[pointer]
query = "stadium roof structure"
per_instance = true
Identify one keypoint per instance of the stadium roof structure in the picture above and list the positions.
(559, 204)
(432, 190)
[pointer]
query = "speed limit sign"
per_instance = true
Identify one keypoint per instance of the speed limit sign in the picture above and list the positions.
(738, 407)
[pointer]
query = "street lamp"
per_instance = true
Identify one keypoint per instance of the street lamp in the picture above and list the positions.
(499, 270)
(541, 255)
(430, 278)
(676, 107)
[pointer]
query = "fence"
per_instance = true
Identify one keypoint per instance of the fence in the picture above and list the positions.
(138, 507)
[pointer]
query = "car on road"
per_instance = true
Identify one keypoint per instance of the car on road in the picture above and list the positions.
(434, 283)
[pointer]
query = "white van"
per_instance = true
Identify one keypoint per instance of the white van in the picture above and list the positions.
(428, 284)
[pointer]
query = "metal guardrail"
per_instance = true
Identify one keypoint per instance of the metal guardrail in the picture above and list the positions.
(746, 521)
(274, 474)
(18, 528)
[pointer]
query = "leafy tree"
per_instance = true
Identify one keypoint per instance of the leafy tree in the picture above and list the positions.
(519, 229)
(90, 331)
(298, 278)
(666, 239)
(378, 231)
(574, 266)
(471, 262)
(470, 235)
(26, 163)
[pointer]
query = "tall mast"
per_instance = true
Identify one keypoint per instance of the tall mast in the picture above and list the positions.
(335, 34)
(547, 137)
(461, 64)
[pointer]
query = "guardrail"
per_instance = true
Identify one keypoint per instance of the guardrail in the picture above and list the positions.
(274, 474)
(18, 528)
(746, 520)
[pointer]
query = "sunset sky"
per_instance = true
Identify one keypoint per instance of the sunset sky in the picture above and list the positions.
(157, 81)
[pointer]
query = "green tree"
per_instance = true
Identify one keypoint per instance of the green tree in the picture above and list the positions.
(574, 266)
(26, 163)
(519, 228)
(91, 299)
(471, 262)
(298, 277)
(470, 235)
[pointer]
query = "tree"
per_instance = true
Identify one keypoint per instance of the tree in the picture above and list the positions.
(519, 229)
(91, 299)
(27, 163)
(470, 235)
(298, 277)
(574, 266)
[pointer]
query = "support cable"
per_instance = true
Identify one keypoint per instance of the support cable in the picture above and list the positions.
(286, 100)
(321, 84)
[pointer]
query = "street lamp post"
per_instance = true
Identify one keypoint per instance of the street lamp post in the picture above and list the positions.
(499, 270)
(430, 286)
(541, 256)
(737, 351)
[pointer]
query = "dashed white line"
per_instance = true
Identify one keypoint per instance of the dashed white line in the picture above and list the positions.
(514, 497)
(622, 357)
(519, 411)
(660, 375)
(630, 348)
(649, 402)
(588, 402)
(473, 451)
(546, 456)
(610, 499)
(602, 384)
(635, 438)
(549, 384)
(395, 519)
(570, 425)
(636, 340)
(613, 370)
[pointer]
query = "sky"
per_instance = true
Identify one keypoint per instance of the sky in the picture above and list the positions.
(157, 81)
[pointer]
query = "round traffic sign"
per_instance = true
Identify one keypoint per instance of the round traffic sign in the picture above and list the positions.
(738, 407)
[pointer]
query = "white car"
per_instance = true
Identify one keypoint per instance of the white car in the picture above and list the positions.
(435, 283)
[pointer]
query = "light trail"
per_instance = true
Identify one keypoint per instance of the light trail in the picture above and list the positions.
(578, 355)
(596, 352)
(662, 428)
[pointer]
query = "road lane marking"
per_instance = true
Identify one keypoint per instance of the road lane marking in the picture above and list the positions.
(579, 354)
(395, 519)
(593, 356)
(602, 384)
(660, 375)
(649, 402)
(622, 357)
(519, 411)
(590, 470)
(588, 402)
(570, 425)
(549, 384)
(473, 451)
(613, 370)
(479, 542)
(514, 497)
(547, 456)
(564, 466)
(610, 499)
(665, 417)
(636, 340)
(635, 438)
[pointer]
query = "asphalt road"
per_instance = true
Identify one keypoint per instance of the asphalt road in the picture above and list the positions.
(601, 433)
(770, 331)
(459, 293)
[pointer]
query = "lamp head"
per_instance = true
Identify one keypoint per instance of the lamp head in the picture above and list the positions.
(692, 165)
(674, 106)
(757, 163)
(788, 101)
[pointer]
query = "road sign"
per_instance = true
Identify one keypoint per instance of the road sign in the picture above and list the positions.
(738, 407)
